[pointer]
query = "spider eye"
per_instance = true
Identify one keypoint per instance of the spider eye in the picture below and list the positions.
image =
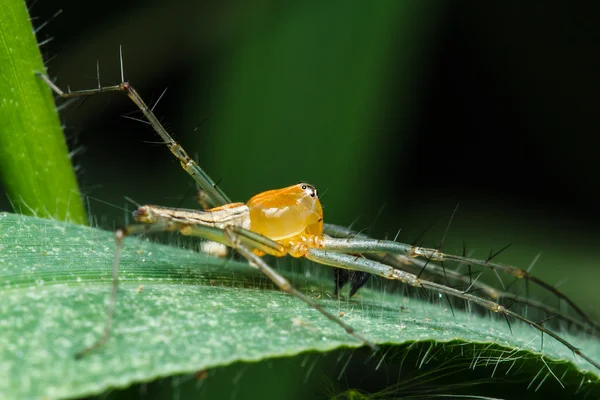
(309, 190)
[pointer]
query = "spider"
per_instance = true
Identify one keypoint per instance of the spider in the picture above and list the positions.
(289, 221)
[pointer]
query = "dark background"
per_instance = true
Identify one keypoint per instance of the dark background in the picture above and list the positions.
(395, 110)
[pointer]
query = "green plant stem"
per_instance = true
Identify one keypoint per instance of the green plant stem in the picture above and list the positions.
(35, 167)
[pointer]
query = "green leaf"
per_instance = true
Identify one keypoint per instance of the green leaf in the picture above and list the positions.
(180, 312)
(35, 167)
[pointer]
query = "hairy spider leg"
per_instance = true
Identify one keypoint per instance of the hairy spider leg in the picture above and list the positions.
(408, 263)
(361, 245)
(348, 261)
(217, 195)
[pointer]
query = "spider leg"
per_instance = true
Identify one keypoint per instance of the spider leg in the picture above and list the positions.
(235, 236)
(120, 235)
(400, 262)
(215, 193)
(415, 265)
(363, 245)
(439, 274)
(348, 261)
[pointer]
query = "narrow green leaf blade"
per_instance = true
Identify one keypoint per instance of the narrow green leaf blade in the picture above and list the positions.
(195, 312)
(35, 167)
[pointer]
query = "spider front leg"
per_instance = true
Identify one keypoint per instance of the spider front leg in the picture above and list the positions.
(215, 193)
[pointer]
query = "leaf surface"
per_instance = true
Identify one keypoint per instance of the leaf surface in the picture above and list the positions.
(181, 311)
